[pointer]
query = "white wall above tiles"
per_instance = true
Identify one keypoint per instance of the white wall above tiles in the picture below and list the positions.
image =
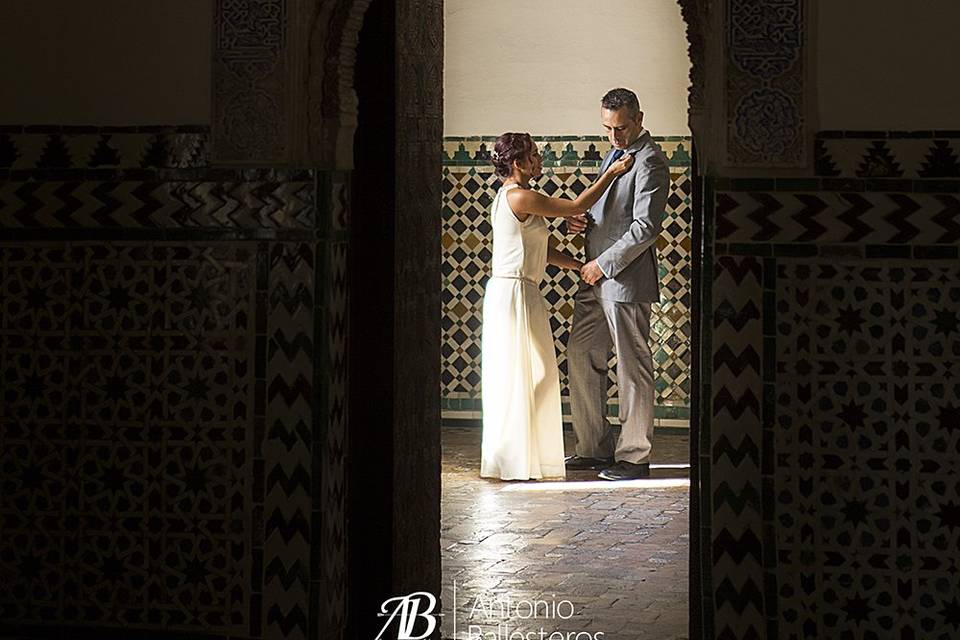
(106, 62)
(543, 65)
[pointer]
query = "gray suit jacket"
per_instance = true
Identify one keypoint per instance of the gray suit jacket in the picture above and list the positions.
(628, 219)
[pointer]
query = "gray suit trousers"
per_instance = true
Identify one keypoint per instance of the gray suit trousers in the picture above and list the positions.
(598, 326)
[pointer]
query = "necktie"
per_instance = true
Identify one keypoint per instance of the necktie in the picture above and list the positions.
(616, 155)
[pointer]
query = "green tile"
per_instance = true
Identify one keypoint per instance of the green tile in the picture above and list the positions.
(935, 252)
(795, 250)
(749, 249)
(769, 411)
(853, 251)
(680, 157)
(705, 418)
(842, 184)
(672, 430)
(770, 274)
(769, 359)
(462, 156)
(887, 251)
(936, 186)
(769, 313)
(672, 412)
(548, 155)
(569, 157)
(798, 184)
(888, 184)
(752, 184)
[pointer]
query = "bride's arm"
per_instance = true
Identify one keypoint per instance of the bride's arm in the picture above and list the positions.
(527, 202)
(561, 259)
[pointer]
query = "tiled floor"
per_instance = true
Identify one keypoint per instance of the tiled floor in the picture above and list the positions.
(586, 556)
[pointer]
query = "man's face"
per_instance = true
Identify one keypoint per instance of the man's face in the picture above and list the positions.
(622, 128)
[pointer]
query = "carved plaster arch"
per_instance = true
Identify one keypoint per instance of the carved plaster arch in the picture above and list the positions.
(332, 96)
(283, 82)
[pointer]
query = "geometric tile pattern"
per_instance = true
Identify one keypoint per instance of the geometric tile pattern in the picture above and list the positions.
(125, 447)
(735, 442)
(266, 201)
(556, 151)
(157, 436)
(329, 575)
(468, 192)
(287, 451)
(140, 177)
(839, 217)
(832, 422)
(56, 148)
(162, 418)
(888, 154)
(868, 437)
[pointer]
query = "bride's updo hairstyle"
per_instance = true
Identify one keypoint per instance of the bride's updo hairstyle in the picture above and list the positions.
(510, 147)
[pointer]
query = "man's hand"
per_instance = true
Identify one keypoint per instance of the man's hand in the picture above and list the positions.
(576, 224)
(591, 273)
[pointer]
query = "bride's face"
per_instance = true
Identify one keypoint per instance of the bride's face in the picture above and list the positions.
(533, 165)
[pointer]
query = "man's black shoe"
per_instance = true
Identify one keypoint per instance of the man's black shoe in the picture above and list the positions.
(624, 470)
(586, 463)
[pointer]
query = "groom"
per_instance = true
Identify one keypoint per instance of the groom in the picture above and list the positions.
(619, 281)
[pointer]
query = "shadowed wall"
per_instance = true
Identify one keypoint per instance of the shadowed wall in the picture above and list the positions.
(107, 62)
(173, 331)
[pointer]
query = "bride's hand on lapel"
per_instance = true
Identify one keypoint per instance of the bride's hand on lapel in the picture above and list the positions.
(622, 165)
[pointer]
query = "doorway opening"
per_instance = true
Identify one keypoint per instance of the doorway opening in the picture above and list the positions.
(618, 553)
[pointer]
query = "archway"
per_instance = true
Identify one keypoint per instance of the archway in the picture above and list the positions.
(278, 178)
(485, 98)
(376, 508)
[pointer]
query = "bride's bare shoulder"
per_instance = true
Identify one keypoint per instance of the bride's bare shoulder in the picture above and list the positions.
(519, 202)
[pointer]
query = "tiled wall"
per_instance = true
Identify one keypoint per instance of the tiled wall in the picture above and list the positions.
(888, 154)
(51, 147)
(831, 426)
(171, 354)
(570, 164)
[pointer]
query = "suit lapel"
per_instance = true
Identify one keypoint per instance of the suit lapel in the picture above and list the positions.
(636, 146)
(606, 162)
(639, 143)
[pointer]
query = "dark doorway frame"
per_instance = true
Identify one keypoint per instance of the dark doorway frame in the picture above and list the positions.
(384, 479)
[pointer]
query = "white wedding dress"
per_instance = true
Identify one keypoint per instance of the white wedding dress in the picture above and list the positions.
(520, 383)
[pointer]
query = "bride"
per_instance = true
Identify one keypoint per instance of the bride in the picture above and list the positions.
(520, 383)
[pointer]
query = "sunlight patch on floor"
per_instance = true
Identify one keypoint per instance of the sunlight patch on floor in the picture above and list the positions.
(596, 485)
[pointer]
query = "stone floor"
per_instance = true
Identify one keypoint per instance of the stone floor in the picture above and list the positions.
(578, 557)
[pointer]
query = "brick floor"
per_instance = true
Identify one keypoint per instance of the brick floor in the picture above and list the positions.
(583, 556)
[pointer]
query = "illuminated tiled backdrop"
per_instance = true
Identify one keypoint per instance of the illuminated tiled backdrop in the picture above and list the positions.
(570, 164)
